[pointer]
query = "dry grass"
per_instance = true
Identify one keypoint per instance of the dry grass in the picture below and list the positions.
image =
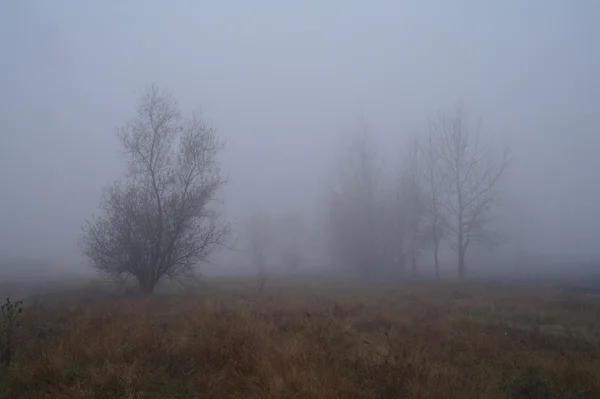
(313, 340)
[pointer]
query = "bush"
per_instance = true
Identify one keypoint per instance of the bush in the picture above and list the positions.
(9, 321)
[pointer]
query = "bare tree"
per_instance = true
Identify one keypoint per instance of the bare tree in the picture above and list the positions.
(159, 221)
(411, 206)
(292, 236)
(391, 237)
(260, 242)
(354, 222)
(468, 177)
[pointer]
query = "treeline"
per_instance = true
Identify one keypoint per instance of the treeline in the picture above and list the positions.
(162, 218)
(443, 193)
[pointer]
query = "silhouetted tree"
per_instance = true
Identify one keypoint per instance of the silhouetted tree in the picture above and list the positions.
(158, 221)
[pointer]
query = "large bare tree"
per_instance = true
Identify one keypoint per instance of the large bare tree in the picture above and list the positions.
(161, 219)
(468, 173)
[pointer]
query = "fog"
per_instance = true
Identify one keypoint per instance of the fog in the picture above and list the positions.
(284, 84)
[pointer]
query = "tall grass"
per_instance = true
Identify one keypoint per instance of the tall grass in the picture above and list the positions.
(312, 339)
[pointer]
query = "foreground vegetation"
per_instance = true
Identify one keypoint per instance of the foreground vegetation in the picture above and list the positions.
(310, 339)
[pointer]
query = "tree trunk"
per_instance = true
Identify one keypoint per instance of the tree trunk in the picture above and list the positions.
(262, 281)
(436, 260)
(147, 286)
(401, 263)
(461, 262)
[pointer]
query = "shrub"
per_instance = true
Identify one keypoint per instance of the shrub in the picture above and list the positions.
(9, 321)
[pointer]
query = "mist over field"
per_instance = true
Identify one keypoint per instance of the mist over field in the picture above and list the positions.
(287, 87)
(334, 199)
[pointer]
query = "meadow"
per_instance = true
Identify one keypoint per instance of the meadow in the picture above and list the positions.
(308, 338)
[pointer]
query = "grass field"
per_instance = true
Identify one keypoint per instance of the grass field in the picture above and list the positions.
(310, 339)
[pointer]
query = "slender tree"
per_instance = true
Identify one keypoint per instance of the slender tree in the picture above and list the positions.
(431, 186)
(354, 201)
(411, 206)
(260, 240)
(292, 239)
(467, 181)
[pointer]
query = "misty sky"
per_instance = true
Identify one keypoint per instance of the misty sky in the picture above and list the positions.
(281, 81)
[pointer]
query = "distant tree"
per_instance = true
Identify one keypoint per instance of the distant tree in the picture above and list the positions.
(292, 239)
(354, 202)
(430, 176)
(411, 207)
(467, 180)
(391, 237)
(260, 240)
(158, 221)
(377, 224)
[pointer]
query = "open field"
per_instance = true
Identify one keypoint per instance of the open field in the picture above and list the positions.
(310, 339)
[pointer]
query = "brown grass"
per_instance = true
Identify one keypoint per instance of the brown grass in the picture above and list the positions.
(313, 340)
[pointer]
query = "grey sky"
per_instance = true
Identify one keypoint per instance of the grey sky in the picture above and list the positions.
(281, 81)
